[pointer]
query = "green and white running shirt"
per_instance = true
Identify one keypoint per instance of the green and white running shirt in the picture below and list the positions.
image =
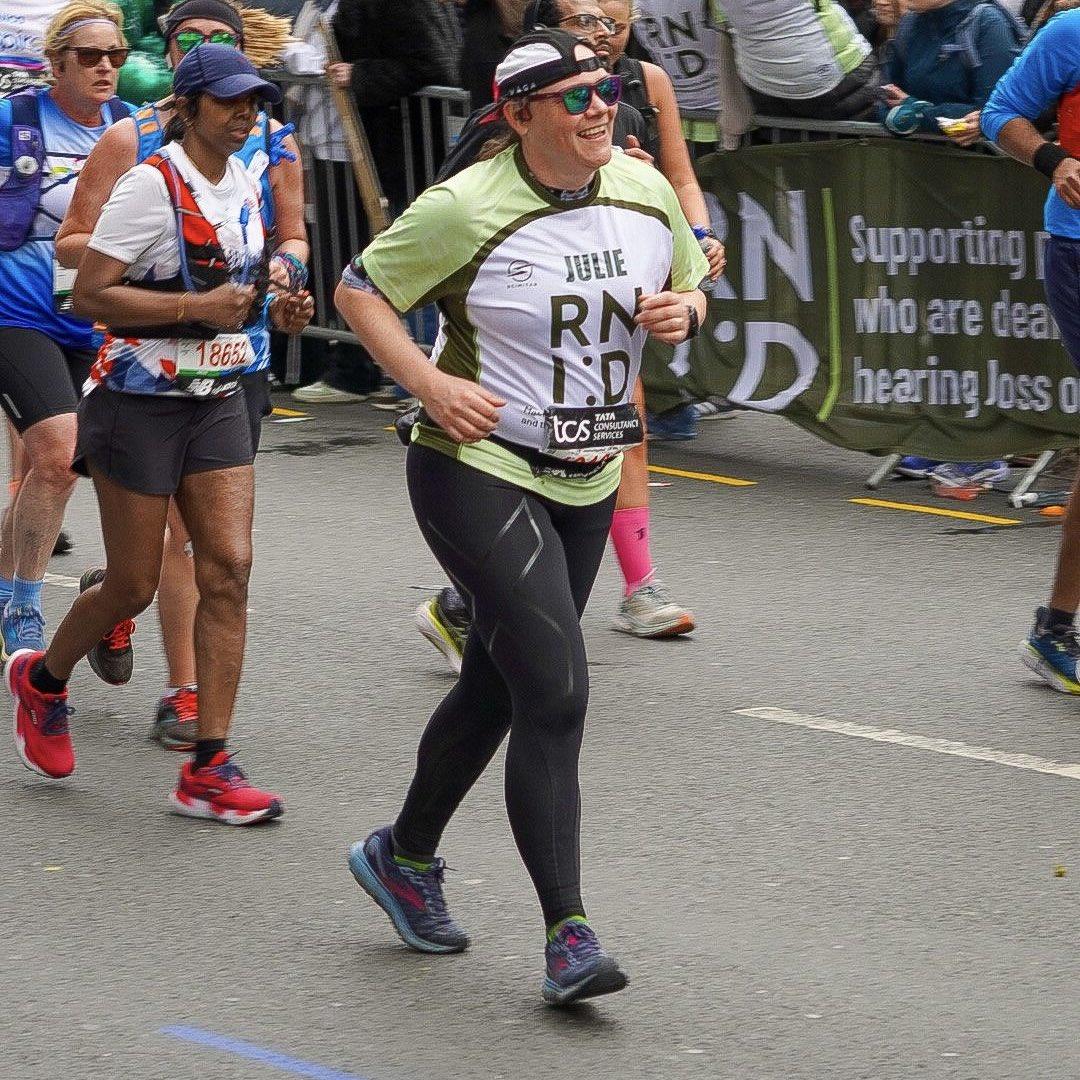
(537, 295)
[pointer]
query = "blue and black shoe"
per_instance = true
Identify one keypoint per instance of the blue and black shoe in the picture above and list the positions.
(577, 967)
(1053, 652)
(412, 898)
(22, 628)
(915, 467)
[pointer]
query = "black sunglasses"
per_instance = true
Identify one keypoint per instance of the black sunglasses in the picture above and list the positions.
(577, 99)
(89, 58)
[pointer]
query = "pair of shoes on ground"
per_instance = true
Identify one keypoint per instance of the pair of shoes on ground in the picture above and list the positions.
(576, 966)
(391, 398)
(954, 473)
(648, 612)
(217, 791)
(112, 658)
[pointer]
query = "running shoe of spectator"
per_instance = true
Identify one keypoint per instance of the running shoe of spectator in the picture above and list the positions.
(577, 967)
(22, 628)
(42, 733)
(444, 620)
(177, 719)
(221, 792)
(112, 658)
(412, 897)
(1052, 652)
(63, 543)
(675, 425)
(916, 467)
(969, 473)
(714, 408)
(392, 398)
(650, 612)
(322, 393)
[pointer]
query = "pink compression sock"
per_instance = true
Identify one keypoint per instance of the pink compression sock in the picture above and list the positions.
(630, 535)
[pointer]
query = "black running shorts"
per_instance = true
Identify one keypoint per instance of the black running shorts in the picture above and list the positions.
(38, 378)
(256, 386)
(149, 442)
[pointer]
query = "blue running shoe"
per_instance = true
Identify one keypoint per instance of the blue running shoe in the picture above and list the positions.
(22, 628)
(1053, 652)
(412, 898)
(965, 473)
(577, 967)
(916, 467)
(676, 425)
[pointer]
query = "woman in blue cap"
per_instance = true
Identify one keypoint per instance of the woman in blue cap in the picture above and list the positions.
(176, 269)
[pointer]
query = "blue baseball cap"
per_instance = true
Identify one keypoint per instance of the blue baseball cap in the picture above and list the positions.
(223, 72)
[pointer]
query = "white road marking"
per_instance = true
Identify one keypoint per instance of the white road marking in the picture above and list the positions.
(915, 742)
(63, 582)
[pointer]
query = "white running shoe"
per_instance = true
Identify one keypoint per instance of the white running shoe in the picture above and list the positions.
(321, 393)
(650, 612)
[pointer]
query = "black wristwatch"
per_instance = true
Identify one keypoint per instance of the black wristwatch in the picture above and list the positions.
(694, 324)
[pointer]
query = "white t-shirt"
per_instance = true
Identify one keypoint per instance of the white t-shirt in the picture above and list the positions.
(138, 228)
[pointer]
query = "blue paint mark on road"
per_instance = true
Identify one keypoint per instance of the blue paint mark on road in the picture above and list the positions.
(257, 1053)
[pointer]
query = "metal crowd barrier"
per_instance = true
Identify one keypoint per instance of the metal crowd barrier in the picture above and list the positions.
(430, 123)
(771, 130)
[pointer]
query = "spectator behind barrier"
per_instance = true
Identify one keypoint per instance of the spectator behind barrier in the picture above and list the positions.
(490, 27)
(887, 15)
(944, 61)
(802, 59)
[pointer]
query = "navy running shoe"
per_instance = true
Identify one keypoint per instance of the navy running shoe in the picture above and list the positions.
(1053, 652)
(577, 967)
(412, 898)
(916, 467)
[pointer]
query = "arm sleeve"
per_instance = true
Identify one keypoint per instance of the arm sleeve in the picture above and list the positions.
(136, 217)
(1046, 69)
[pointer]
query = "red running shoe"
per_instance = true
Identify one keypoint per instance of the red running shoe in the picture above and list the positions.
(41, 720)
(221, 792)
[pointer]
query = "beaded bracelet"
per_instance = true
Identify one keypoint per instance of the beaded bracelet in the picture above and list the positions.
(297, 271)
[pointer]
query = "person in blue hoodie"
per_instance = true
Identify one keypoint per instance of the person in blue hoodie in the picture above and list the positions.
(941, 66)
(944, 61)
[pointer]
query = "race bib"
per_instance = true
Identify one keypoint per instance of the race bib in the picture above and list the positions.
(63, 282)
(212, 368)
(591, 436)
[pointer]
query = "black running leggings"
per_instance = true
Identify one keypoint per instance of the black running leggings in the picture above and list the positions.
(526, 566)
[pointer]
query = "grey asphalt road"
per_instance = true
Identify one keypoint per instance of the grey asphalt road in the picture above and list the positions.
(869, 894)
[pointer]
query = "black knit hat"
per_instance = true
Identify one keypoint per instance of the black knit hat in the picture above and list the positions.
(538, 59)
(217, 10)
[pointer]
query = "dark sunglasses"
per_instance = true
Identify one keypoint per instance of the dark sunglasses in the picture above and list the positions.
(585, 21)
(89, 58)
(186, 40)
(577, 99)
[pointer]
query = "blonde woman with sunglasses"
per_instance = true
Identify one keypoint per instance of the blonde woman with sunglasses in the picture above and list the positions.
(45, 351)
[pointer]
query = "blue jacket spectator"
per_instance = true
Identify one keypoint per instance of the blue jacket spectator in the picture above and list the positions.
(945, 60)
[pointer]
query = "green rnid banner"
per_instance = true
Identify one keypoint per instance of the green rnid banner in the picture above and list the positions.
(886, 296)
